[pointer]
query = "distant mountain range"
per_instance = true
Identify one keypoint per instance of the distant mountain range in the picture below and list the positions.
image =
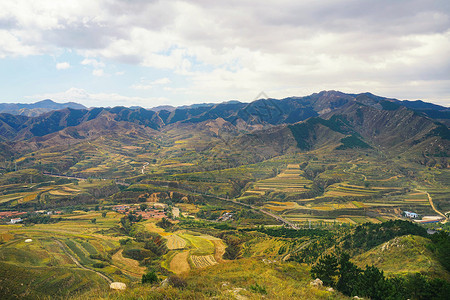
(341, 121)
(36, 109)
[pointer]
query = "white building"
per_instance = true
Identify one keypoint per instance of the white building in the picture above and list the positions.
(411, 215)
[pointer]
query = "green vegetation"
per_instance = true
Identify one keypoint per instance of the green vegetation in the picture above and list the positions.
(256, 209)
(371, 282)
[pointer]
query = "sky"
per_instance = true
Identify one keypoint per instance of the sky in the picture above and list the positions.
(149, 53)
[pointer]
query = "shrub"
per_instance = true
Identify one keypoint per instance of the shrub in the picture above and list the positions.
(125, 241)
(177, 281)
(99, 265)
(261, 289)
(149, 277)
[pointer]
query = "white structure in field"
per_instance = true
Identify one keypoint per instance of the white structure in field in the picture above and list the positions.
(411, 215)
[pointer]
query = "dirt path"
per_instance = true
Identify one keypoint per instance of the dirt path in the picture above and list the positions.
(143, 167)
(128, 264)
(219, 251)
(63, 248)
(432, 205)
(179, 263)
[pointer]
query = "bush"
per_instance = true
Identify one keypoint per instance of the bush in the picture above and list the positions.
(177, 281)
(258, 288)
(138, 254)
(149, 277)
(99, 265)
(125, 241)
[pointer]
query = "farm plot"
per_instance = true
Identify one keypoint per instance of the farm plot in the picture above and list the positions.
(417, 198)
(200, 245)
(288, 181)
(127, 265)
(342, 190)
(175, 242)
(203, 261)
(179, 263)
(281, 206)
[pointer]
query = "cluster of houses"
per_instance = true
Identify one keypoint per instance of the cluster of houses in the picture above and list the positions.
(49, 212)
(156, 212)
(225, 217)
(15, 218)
(10, 215)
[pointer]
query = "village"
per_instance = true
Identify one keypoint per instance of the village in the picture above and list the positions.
(146, 211)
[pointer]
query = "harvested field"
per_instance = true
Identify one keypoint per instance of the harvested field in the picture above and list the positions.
(179, 263)
(175, 242)
(219, 249)
(203, 261)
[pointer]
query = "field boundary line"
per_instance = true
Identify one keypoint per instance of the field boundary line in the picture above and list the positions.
(77, 262)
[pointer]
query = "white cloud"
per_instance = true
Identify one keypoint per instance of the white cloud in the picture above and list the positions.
(98, 72)
(234, 49)
(93, 62)
(62, 66)
(146, 86)
(99, 99)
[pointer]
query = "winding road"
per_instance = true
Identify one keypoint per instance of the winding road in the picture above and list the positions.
(282, 220)
(432, 205)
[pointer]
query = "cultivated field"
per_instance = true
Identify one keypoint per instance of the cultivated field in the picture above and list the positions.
(175, 242)
(203, 261)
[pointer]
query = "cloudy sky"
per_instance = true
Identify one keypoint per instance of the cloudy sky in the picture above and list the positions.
(150, 53)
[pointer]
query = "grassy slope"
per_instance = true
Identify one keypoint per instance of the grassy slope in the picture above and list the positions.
(25, 282)
(234, 279)
(404, 255)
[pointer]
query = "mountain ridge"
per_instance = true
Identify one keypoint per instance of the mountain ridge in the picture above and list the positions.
(37, 108)
(329, 118)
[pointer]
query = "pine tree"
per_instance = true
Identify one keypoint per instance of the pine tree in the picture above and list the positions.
(348, 275)
(326, 270)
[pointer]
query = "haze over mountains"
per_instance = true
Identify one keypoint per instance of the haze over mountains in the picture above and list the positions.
(36, 109)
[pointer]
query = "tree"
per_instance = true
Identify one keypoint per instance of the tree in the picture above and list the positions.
(372, 284)
(348, 275)
(326, 270)
(104, 214)
(149, 277)
(94, 220)
(143, 206)
(164, 223)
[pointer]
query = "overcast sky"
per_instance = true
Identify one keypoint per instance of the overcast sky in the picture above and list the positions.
(150, 53)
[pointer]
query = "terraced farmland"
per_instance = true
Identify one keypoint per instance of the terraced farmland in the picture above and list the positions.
(281, 206)
(290, 180)
(175, 242)
(203, 261)
(342, 190)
